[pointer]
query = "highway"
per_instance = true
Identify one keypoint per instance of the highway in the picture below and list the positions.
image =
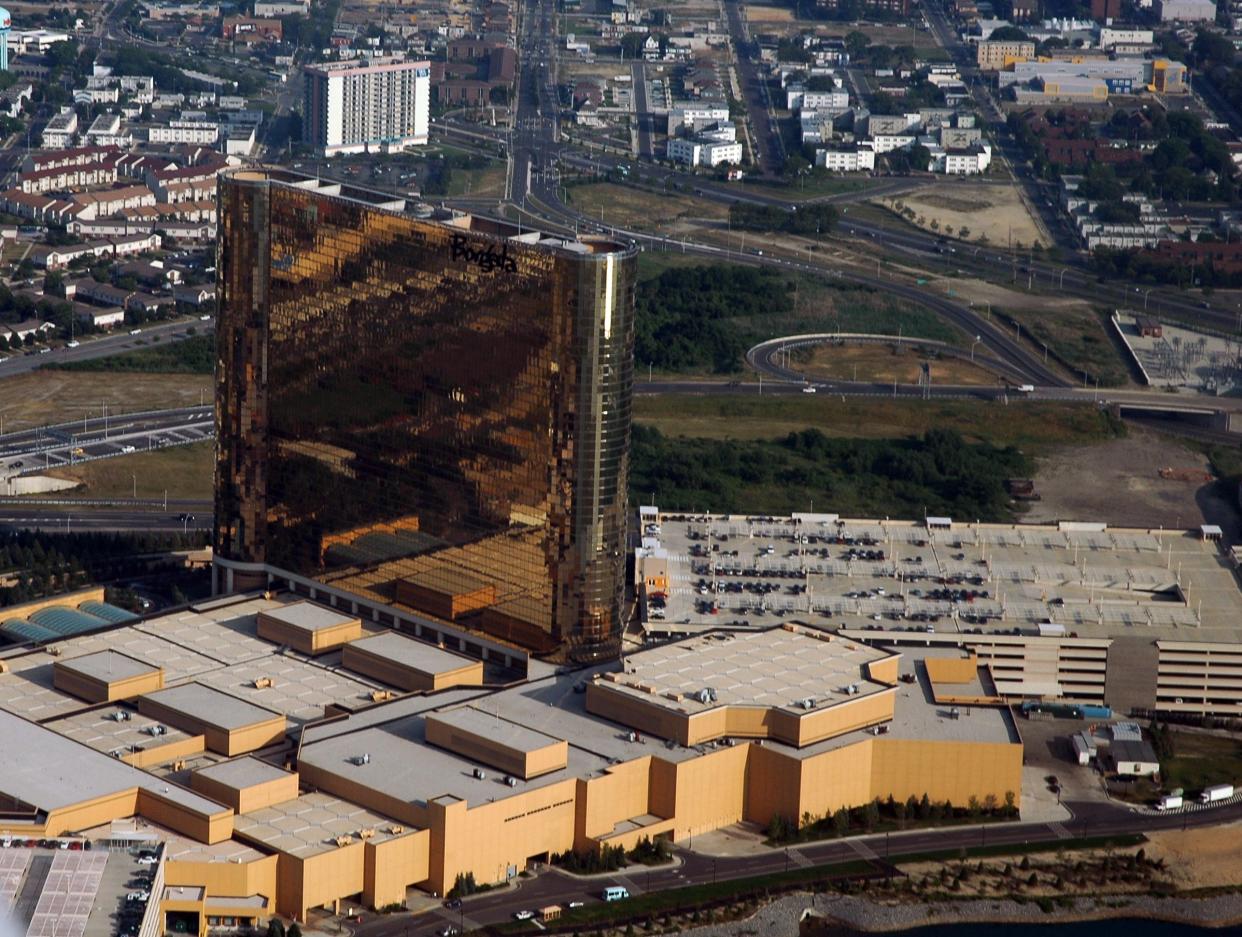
(552, 886)
(66, 516)
(33, 450)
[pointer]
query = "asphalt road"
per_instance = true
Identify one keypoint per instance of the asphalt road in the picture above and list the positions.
(769, 152)
(95, 429)
(104, 346)
(68, 517)
(555, 887)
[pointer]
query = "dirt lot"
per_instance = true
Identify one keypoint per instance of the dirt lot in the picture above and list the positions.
(765, 15)
(885, 363)
(1117, 481)
(645, 211)
(44, 397)
(1202, 858)
(986, 210)
(182, 471)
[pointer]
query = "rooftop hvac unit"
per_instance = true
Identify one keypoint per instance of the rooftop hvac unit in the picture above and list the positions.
(808, 703)
(155, 730)
(510, 780)
(363, 759)
(480, 774)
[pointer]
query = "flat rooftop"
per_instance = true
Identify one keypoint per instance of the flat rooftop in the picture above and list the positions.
(177, 848)
(485, 721)
(311, 824)
(773, 668)
(412, 653)
(210, 706)
(309, 616)
(102, 731)
(244, 772)
(108, 666)
(56, 772)
(828, 572)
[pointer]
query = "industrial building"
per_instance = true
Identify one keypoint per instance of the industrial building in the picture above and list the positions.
(365, 105)
(269, 779)
(473, 431)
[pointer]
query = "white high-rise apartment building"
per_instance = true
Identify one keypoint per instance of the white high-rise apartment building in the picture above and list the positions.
(365, 105)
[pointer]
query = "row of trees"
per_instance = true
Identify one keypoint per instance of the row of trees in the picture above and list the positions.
(937, 473)
(43, 564)
(890, 812)
(646, 851)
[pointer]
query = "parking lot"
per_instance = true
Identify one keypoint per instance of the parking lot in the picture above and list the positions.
(965, 578)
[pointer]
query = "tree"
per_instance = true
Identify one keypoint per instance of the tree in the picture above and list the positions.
(856, 43)
(841, 821)
(1008, 34)
(61, 54)
(920, 158)
(871, 815)
(632, 45)
(294, 930)
(275, 927)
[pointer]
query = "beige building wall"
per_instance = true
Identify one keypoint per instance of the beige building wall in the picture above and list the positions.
(206, 828)
(953, 771)
(622, 792)
(181, 748)
(706, 793)
(796, 727)
(470, 673)
(98, 691)
(393, 865)
(492, 838)
(226, 879)
(248, 799)
(477, 747)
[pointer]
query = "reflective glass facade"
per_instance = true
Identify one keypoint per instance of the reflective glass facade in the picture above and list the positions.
(434, 413)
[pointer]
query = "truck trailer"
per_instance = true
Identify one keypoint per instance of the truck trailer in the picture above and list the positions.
(1216, 793)
(1169, 802)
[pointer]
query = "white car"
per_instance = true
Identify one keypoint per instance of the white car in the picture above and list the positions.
(135, 331)
(148, 860)
(523, 915)
(576, 904)
(73, 344)
(808, 390)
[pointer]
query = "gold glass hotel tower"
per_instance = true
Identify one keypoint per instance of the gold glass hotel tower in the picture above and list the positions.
(428, 413)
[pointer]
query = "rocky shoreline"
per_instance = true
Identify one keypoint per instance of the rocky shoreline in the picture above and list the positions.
(860, 914)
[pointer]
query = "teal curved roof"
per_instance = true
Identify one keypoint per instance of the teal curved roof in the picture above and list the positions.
(107, 612)
(19, 629)
(65, 621)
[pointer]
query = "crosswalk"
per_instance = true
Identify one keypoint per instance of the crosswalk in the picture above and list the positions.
(1060, 830)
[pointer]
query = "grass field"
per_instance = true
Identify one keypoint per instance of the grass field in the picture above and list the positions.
(46, 397)
(888, 363)
(815, 186)
(185, 472)
(478, 182)
(1033, 427)
(639, 209)
(1200, 760)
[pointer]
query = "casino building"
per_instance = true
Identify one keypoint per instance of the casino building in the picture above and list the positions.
(423, 417)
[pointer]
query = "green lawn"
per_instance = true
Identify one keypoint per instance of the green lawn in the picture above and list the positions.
(1031, 426)
(1202, 760)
